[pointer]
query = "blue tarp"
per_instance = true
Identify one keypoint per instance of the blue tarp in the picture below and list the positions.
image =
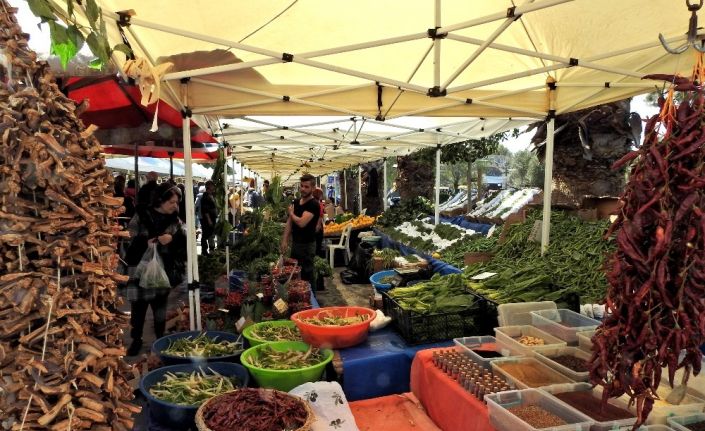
(380, 366)
(460, 221)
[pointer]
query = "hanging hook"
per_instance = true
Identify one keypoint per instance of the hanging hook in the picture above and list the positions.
(692, 31)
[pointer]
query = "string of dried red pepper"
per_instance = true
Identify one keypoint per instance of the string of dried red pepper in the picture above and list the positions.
(656, 297)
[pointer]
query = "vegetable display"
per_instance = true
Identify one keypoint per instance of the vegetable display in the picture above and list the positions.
(192, 389)
(201, 346)
(268, 332)
(440, 294)
(335, 320)
(407, 210)
(271, 359)
(573, 263)
(387, 255)
(255, 409)
(655, 308)
(455, 254)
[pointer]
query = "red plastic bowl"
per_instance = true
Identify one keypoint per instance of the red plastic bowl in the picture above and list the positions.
(334, 337)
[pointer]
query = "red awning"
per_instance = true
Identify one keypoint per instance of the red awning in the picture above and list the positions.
(114, 106)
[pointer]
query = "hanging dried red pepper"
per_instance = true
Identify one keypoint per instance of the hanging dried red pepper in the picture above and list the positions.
(656, 298)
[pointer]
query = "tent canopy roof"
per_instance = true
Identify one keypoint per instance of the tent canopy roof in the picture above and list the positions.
(361, 59)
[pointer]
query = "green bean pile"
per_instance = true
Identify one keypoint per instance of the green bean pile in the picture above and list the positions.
(334, 320)
(201, 346)
(192, 389)
(271, 359)
(269, 332)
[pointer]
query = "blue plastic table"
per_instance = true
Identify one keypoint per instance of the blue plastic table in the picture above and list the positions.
(380, 366)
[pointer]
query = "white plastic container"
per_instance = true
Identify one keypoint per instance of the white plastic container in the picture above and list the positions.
(563, 323)
(585, 340)
(519, 313)
(597, 394)
(662, 410)
(549, 376)
(544, 355)
(655, 428)
(503, 420)
(680, 423)
(467, 344)
(507, 335)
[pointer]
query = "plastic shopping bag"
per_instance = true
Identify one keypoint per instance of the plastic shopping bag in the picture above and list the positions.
(150, 271)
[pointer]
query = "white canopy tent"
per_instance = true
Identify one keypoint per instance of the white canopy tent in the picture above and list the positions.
(160, 166)
(506, 59)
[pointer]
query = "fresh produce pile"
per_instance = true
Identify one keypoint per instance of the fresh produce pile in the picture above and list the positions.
(407, 210)
(655, 307)
(387, 256)
(269, 332)
(255, 409)
(573, 263)
(201, 346)
(291, 359)
(359, 222)
(335, 320)
(426, 237)
(192, 389)
(440, 294)
(455, 254)
(387, 279)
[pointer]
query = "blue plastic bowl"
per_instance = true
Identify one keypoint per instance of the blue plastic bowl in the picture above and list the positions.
(376, 278)
(163, 343)
(183, 417)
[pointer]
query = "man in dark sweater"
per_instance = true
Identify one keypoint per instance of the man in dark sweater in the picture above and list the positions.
(209, 214)
(144, 196)
(301, 226)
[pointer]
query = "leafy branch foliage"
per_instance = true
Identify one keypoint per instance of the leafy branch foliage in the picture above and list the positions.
(67, 34)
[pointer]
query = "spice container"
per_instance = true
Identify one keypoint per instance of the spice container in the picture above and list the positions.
(563, 323)
(469, 375)
(582, 397)
(662, 410)
(483, 350)
(559, 358)
(585, 340)
(528, 373)
(694, 422)
(508, 336)
(545, 408)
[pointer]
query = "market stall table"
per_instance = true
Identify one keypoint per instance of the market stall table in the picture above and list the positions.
(379, 366)
(450, 406)
(392, 413)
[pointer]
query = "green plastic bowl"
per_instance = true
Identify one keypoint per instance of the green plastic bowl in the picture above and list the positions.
(247, 333)
(284, 380)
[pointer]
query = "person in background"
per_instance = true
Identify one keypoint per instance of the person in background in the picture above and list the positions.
(339, 209)
(144, 196)
(330, 210)
(159, 224)
(209, 214)
(235, 204)
(301, 227)
(129, 202)
(182, 203)
(119, 192)
(318, 195)
(253, 198)
(197, 206)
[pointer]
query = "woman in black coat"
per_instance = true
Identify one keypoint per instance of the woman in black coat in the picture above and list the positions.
(158, 224)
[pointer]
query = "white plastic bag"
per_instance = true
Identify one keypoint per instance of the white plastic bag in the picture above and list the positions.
(150, 271)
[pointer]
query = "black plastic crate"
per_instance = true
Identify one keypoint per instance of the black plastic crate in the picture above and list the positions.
(415, 328)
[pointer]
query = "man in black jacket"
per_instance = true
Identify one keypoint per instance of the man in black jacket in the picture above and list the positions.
(209, 214)
(301, 226)
(144, 196)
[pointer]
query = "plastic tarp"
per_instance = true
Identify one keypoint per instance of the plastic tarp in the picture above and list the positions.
(460, 221)
(495, 60)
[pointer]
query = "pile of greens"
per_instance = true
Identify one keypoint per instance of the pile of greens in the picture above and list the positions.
(387, 255)
(407, 210)
(415, 242)
(271, 359)
(440, 294)
(573, 263)
(448, 231)
(270, 332)
(192, 389)
(201, 346)
(455, 254)
(321, 267)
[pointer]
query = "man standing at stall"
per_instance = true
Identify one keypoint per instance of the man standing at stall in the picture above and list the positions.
(209, 214)
(301, 226)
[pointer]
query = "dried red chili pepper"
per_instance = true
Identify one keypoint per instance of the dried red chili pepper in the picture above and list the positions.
(656, 276)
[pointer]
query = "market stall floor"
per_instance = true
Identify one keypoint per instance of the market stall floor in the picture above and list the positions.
(339, 293)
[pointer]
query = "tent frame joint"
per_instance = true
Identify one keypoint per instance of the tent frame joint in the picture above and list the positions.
(185, 80)
(186, 112)
(573, 62)
(125, 17)
(551, 85)
(436, 91)
(551, 114)
(511, 13)
(468, 101)
(287, 58)
(286, 98)
(434, 34)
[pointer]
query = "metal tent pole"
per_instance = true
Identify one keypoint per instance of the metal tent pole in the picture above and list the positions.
(384, 193)
(359, 189)
(194, 292)
(438, 186)
(345, 187)
(547, 186)
(226, 211)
